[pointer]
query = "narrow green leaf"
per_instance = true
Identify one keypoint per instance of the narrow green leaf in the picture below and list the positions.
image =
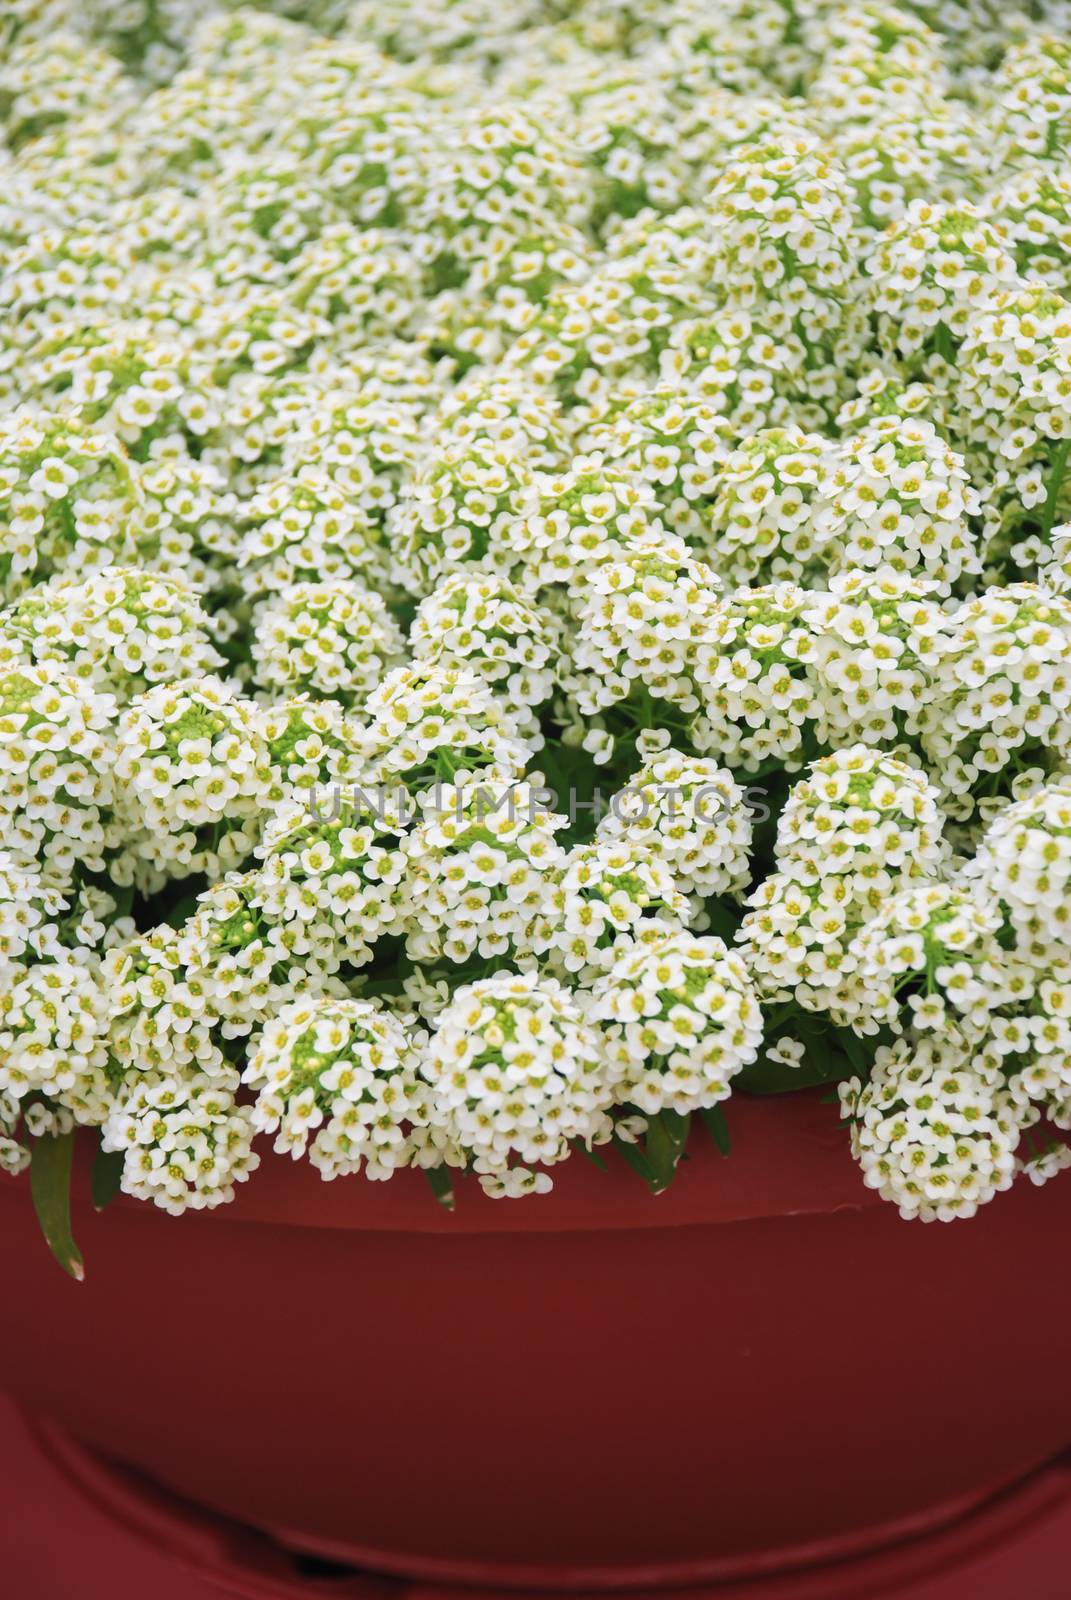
(107, 1177)
(853, 1048)
(581, 1148)
(635, 1158)
(716, 1125)
(441, 1186)
(50, 1186)
(664, 1146)
(676, 1126)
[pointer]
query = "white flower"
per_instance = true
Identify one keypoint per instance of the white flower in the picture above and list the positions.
(873, 656)
(30, 905)
(328, 886)
(897, 495)
(646, 620)
(53, 1037)
(451, 510)
(601, 893)
(677, 445)
(927, 277)
(1024, 861)
(1001, 691)
(68, 499)
(14, 1157)
(57, 765)
(786, 1052)
(757, 697)
(930, 947)
(186, 1141)
(430, 722)
(762, 513)
(1044, 1166)
(857, 828)
(484, 624)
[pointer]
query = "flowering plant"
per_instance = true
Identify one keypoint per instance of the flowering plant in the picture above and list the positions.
(534, 589)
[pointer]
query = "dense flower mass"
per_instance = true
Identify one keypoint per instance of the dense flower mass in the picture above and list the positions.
(535, 585)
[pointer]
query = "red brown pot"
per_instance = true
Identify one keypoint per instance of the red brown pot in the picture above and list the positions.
(762, 1367)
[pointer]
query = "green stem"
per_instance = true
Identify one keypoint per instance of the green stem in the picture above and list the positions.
(1056, 483)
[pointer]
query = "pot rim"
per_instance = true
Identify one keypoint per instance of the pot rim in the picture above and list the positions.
(790, 1157)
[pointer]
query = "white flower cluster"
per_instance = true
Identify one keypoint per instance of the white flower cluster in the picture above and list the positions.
(194, 775)
(185, 1141)
(602, 894)
(58, 764)
(478, 863)
(68, 498)
(517, 1072)
(122, 629)
(682, 1020)
(483, 624)
(857, 827)
(932, 1132)
(535, 549)
(693, 816)
(329, 639)
(341, 1069)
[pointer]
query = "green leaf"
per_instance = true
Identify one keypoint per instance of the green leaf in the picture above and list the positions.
(716, 1125)
(107, 1177)
(853, 1047)
(635, 1158)
(182, 910)
(676, 1126)
(724, 919)
(441, 1186)
(772, 1077)
(666, 1137)
(1056, 479)
(50, 1186)
(581, 1148)
(830, 1055)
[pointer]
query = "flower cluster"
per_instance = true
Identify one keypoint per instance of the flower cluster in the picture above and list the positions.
(122, 629)
(194, 776)
(484, 624)
(897, 495)
(479, 859)
(329, 639)
(690, 814)
(762, 515)
(603, 892)
(857, 827)
(930, 1131)
(517, 1073)
(682, 1019)
(58, 767)
(342, 1070)
(68, 499)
